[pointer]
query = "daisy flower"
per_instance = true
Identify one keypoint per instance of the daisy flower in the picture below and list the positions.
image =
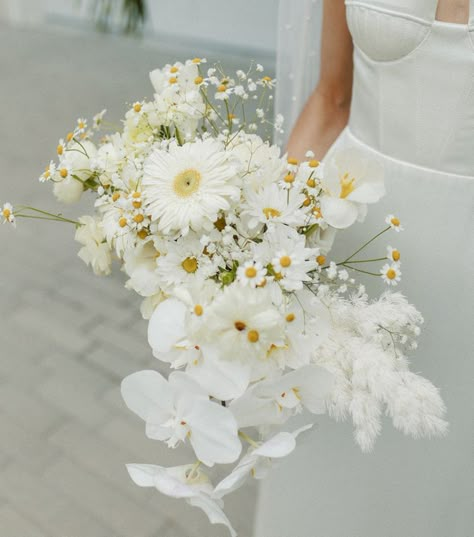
(393, 254)
(251, 273)
(394, 222)
(8, 215)
(49, 171)
(391, 274)
(187, 186)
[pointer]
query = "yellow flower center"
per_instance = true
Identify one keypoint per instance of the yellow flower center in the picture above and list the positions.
(173, 80)
(290, 317)
(391, 274)
(138, 218)
(307, 202)
(396, 255)
(122, 222)
(231, 116)
(311, 183)
(136, 195)
(81, 125)
(174, 69)
(70, 136)
(220, 223)
(262, 283)
(198, 310)
(143, 234)
(285, 261)
(395, 221)
(6, 213)
(198, 80)
(269, 212)
(240, 325)
(186, 183)
(317, 212)
(221, 88)
(253, 336)
(321, 259)
(137, 204)
(267, 79)
(60, 149)
(293, 161)
(290, 178)
(137, 107)
(250, 272)
(190, 265)
(347, 185)
(115, 196)
(196, 60)
(313, 163)
(63, 173)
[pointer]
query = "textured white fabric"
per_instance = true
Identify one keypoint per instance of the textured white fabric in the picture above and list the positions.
(299, 45)
(413, 110)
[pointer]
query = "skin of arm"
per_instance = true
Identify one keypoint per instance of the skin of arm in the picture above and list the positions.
(326, 112)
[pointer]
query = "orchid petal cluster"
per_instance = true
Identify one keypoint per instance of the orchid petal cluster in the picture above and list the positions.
(228, 241)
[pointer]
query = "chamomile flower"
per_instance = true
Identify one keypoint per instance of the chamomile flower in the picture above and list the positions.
(267, 81)
(251, 273)
(393, 254)
(391, 274)
(49, 172)
(81, 125)
(394, 222)
(98, 119)
(186, 187)
(8, 214)
(223, 92)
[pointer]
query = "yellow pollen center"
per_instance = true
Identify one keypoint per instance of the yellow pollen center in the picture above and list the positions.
(196, 60)
(190, 265)
(391, 274)
(290, 317)
(174, 69)
(198, 80)
(395, 221)
(115, 196)
(231, 116)
(7, 213)
(396, 255)
(137, 204)
(285, 261)
(253, 336)
(321, 259)
(307, 202)
(221, 88)
(173, 80)
(198, 310)
(138, 218)
(250, 272)
(137, 107)
(122, 222)
(267, 79)
(240, 325)
(63, 173)
(313, 163)
(317, 212)
(70, 136)
(347, 185)
(269, 212)
(311, 183)
(290, 178)
(262, 283)
(136, 195)
(81, 124)
(143, 234)
(186, 183)
(292, 161)
(60, 149)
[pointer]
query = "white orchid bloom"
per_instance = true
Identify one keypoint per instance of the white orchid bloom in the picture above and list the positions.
(258, 461)
(274, 401)
(178, 409)
(173, 341)
(351, 181)
(186, 482)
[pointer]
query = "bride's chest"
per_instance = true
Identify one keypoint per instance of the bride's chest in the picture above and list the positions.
(388, 30)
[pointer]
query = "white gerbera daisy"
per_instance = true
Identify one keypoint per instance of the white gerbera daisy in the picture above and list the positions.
(186, 186)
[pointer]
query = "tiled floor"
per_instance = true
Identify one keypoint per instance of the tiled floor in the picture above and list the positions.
(67, 338)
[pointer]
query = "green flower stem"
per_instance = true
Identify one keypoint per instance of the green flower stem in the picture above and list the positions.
(365, 245)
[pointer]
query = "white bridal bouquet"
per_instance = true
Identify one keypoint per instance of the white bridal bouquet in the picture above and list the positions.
(228, 242)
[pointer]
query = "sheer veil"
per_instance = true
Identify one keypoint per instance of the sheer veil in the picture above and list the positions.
(298, 57)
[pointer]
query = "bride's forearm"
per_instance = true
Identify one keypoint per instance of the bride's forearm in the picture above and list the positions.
(323, 118)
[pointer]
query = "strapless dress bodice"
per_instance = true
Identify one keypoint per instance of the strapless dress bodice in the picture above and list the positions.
(413, 94)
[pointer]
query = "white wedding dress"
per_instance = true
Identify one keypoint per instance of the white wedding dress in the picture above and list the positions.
(413, 109)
